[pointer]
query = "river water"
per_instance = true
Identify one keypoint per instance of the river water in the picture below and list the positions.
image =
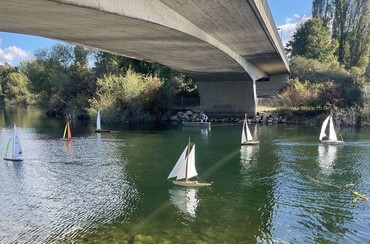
(113, 187)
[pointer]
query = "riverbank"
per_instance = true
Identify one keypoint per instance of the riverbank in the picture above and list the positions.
(342, 117)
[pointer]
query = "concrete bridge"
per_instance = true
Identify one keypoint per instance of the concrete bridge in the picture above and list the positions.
(230, 48)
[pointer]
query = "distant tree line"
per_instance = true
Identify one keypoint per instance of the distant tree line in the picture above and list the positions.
(329, 56)
(72, 79)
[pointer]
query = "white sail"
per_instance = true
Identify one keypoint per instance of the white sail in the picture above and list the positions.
(17, 148)
(246, 133)
(323, 127)
(332, 134)
(244, 138)
(185, 166)
(178, 166)
(249, 135)
(191, 170)
(98, 126)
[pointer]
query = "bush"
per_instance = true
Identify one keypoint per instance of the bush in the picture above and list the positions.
(131, 97)
(334, 84)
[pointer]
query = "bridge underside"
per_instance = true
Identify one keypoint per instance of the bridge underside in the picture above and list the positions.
(223, 57)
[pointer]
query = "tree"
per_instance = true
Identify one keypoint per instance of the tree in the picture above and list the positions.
(322, 9)
(312, 40)
(5, 70)
(15, 88)
(349, 21)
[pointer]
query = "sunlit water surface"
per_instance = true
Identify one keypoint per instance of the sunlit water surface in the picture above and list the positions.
(113, 187)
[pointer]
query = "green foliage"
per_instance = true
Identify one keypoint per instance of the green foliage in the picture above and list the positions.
(338, 86)
(14, 85)
(349, 21)
(312, 40)
(128, 98)
(365, 112)
(61, 78)
(15, 88)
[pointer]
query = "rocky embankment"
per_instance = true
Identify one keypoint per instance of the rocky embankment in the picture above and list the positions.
(193, 116)
(342, 117)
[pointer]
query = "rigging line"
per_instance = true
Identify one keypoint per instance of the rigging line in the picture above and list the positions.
(347, 187)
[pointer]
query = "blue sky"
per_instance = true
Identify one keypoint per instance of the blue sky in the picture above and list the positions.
(15, 48)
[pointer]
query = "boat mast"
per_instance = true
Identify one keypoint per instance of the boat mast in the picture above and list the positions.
(187, 160)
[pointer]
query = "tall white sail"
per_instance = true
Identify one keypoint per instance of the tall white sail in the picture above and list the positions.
(179, 165)
(246, 133)
(191, 170)
(323, 127)
(185, 166)
(98, 126)
(332, 134)
(249, 135)
(17, 148)
(244, 138)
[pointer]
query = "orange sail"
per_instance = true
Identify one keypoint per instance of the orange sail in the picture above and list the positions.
(69, 131)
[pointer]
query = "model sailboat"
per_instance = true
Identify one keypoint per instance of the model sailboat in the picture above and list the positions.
(185, 168)
(16, 147)
(247, 138)
(332, 138)
(67, 133)
(98, 124)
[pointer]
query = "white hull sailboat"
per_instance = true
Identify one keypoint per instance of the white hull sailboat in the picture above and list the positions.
(185, 168)
(16, 147)
(98, 124)
(247, 138)
(332, 137)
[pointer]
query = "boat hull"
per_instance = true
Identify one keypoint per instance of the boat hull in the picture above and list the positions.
(196, 124)
(254, 142)
(14, 159)
(191, 183)
(332, 142)
(102, 131)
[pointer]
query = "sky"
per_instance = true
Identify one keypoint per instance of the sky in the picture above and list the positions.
(287, 14)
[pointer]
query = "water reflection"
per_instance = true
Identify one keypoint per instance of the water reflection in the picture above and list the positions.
(326, 157)
(185, 199)
(114, 190)
(248, 161)
(204, 132)
(68, 147)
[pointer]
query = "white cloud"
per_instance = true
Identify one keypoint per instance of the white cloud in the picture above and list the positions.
(13, 55)
(287, 30)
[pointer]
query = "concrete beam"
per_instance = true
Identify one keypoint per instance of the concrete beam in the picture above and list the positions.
(159, 13)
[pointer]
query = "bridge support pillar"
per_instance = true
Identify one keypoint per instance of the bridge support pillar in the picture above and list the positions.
(228, 97)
